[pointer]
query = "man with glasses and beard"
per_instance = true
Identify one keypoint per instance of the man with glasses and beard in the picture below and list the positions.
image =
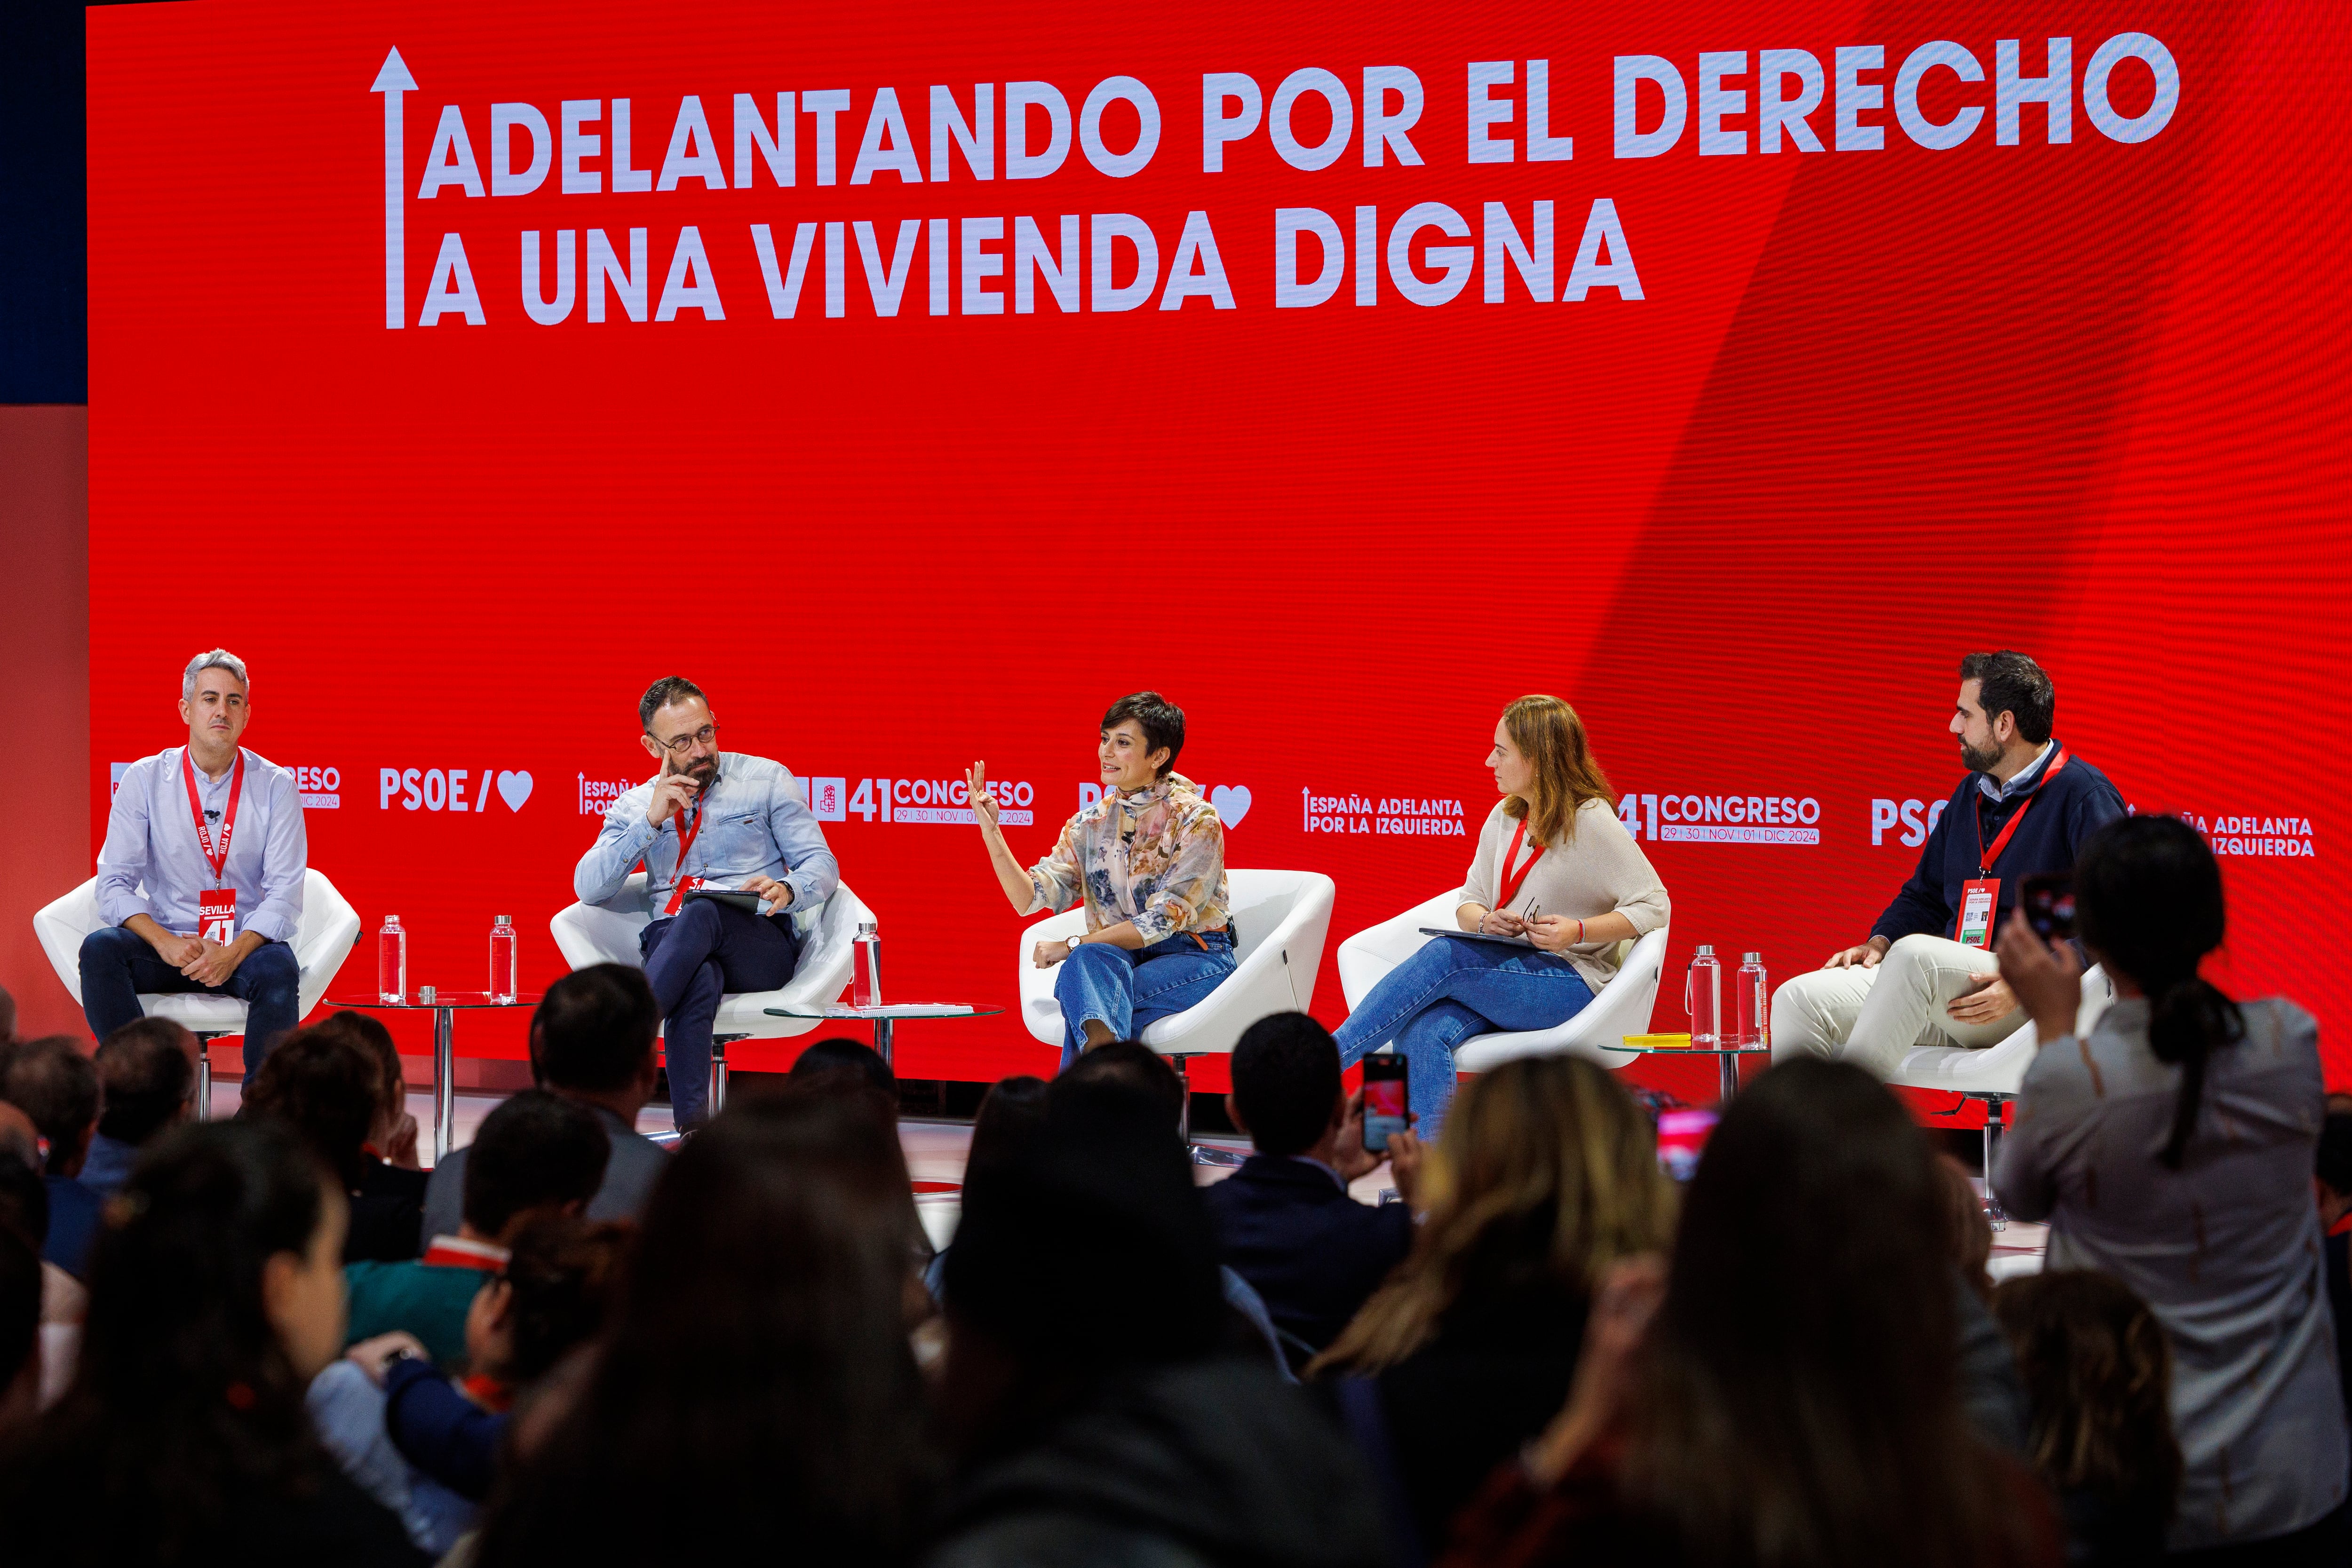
(717, 818)
(1927, 976)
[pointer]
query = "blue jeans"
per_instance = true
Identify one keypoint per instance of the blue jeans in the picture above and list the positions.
(117, 965)
(1125, 990)
(1452, 989)
(691, 961)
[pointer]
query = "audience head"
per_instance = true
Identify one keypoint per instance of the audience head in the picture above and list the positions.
(2009, 686)
(1010, 1113)
(550, 1296)
(1153, 725)
(1800, 1398)
(24, 1196)
(1971, 1232)
(537, 1154)
(593, 1033)
(1123, 1066)
(777, 1374)
(1543, 761)
(2098, 1371)
(369, 1033)
(7, 1016)
(2332, 1165)
(54, 1083)
(17, 1133)
(2147, 904)
(852, 1060)
(1286, 1093)
(147, 1076)
(324, 1083)
(1546, 1175)
(20, 1330)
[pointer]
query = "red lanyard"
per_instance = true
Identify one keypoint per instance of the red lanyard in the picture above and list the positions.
(219, 862)
(1512, 883)
(1986, 857)
(686, 833)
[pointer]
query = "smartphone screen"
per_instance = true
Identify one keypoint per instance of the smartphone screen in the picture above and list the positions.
(1682, 1134)
(1384, 1101)
(2048, 897)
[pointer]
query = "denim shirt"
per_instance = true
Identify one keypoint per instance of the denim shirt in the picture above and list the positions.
(754, 823)
(151, 844)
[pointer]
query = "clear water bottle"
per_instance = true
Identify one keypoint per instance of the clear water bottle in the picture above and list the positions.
(1702, 999)
(865, 984)
(392, 961)
(1752, 1005)
(502, 959)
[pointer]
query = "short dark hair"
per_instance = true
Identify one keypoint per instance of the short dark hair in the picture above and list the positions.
(2333, 1164)
(325, 1084)
(1010, 1115)
(369, 1033)
(24, 1199)
(537, 1150)
(1130, 1066)
(1285, 1073)
(54, 1083)
(2009, 683)
(848, 1057)
(661, 693)
(147, 1070)
(1161, 721)
(564, 1272)
(593, 1028)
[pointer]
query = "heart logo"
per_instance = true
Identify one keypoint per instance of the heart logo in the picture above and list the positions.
(1232, 801)
(515, 789)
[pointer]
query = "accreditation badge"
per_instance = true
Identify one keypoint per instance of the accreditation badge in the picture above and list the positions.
(1978, 901)
(217, 915)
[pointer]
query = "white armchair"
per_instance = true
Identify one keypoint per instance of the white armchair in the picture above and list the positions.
(1622, 1007)
(329, 927)
(1281, 918)
(606, 933)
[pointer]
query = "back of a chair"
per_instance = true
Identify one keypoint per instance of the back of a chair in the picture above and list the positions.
(1259, 902)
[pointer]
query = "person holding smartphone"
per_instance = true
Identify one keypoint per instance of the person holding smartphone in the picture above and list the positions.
(1557, 874)
(725, 821)
(1147, 861)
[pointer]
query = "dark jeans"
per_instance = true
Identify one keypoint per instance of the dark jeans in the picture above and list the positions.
(691, 961)
(117, 965)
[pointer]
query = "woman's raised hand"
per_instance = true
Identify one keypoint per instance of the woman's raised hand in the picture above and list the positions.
(983, 804)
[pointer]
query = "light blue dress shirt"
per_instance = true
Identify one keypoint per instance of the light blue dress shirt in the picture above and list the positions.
(754, 823)
(150, 840)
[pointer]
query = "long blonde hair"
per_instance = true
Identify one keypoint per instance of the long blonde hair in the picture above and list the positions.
(1550, 734)
(1547, 1169)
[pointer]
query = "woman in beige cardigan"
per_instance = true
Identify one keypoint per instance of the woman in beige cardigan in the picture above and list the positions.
(1554, 867)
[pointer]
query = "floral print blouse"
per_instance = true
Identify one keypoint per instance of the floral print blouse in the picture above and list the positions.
(1156, 857)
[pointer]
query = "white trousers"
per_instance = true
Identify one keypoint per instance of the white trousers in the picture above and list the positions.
(1872, 1017)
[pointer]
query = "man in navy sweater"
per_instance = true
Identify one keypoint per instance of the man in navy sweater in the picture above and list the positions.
(1927, 976)
(1285, 1221)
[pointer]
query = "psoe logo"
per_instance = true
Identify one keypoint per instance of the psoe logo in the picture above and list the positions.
(1673, 818)
(450, 789)
(1232, 800)
(1918, 819)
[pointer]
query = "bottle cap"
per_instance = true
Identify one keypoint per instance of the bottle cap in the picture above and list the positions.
(505, 920)
(1706, 950)
(1753, 958)
(867, 928)
(392, 920)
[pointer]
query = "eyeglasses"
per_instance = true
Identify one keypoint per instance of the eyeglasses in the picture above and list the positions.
(680, 746)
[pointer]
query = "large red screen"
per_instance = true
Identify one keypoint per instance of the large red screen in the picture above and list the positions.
(908, 466)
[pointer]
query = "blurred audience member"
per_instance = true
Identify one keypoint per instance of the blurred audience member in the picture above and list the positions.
(2332, 1185)
(537, 1155)
(20, 1334)
(593, 1041)
(393, 1139)
(853, 1058)
(1785, 1394)
(1546, 1175)
(1011, 1110)
(25, 1213)
(7, 1018)
(1991, 1391)
(2173, 1148)
(325, 1082)
(1094, 1416)
(147, 1081)
(2098, 1376)
(1971, 1229)
(1285, 1220)
(54, 1083)
(749, 1393)
(215, 1296)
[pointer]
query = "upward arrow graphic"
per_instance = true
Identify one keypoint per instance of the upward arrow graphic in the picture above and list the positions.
(392, 81)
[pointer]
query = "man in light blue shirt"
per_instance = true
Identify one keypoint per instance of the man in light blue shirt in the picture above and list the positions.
(726, 820)
(200, 882)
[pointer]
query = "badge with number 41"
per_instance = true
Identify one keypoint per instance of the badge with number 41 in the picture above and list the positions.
(216, 916)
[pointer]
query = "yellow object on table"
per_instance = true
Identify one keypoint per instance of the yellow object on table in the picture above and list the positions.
(1657, 1042)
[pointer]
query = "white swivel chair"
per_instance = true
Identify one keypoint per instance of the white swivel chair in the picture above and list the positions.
(330, 926)
(1281, 918)
(606, 933)
(1622, 1007)
(1990, 1074)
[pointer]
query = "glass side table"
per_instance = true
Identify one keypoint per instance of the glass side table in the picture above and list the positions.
(445, 1007)
(1726, 1057)
(883, 1017)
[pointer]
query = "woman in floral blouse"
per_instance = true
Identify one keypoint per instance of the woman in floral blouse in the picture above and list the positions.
(1149, 861)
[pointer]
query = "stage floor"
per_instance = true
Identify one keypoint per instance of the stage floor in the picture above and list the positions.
(935, 1157)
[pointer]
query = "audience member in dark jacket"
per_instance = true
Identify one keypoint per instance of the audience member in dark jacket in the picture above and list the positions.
(147, 1082)
(54, 1083)
(1546, 1174)
(1285, 1220)
(1095, 1417)
(2331, 1180)
(327, 1083)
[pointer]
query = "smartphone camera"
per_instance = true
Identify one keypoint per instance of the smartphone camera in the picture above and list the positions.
(1384, 1101)
(2048, 899)
(1682, 1136)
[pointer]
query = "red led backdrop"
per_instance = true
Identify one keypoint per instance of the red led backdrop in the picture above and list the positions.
(2042, 348)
